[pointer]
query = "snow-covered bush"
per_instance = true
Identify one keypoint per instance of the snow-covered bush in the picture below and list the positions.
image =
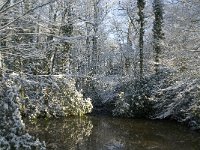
(137, 94)
(161, 96)
(121, 106)
(50, 96)
(12, 133)
(180, 101)
(35, 96)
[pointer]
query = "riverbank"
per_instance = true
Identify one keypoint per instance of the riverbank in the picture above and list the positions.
(33, 97)
(162, 96)
(51, 97)
(13, 134)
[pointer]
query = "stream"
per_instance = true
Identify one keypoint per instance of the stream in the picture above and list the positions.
(107, 133)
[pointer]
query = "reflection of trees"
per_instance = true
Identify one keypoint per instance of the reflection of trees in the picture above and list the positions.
(127, 134)
(65, 134)
(105, 133)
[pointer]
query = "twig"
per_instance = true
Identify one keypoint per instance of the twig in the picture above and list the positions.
(26, 13)
(3, 10)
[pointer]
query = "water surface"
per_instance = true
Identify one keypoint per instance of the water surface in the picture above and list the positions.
(107, 133)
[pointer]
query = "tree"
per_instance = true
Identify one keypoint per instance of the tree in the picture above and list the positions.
(66, 30)
(141, 5)
(99, 14)
(157, 31)
(182, 35)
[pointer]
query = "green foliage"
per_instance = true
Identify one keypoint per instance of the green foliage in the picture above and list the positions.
(73, 102)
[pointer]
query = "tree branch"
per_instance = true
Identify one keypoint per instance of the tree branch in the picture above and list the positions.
(4, 10)
(27, 13)
(5, 4)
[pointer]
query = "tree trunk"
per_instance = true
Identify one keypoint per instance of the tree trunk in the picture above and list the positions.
(94, 40)
(141, 5)
(157, 31)
(66, 30)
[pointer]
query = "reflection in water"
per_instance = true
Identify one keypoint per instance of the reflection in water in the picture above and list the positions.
(105, 133)
(62, 134)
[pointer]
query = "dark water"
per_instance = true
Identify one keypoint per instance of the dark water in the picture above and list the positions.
(106, 133)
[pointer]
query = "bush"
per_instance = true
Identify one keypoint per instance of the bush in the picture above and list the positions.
(50, 96)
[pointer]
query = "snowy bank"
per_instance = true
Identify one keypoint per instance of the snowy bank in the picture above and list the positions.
(180, 101)
(35, 96)
(159, 96)
(12, 133)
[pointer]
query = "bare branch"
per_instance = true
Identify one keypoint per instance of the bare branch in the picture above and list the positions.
(7, 8)
(42, 5)
(4, 5)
